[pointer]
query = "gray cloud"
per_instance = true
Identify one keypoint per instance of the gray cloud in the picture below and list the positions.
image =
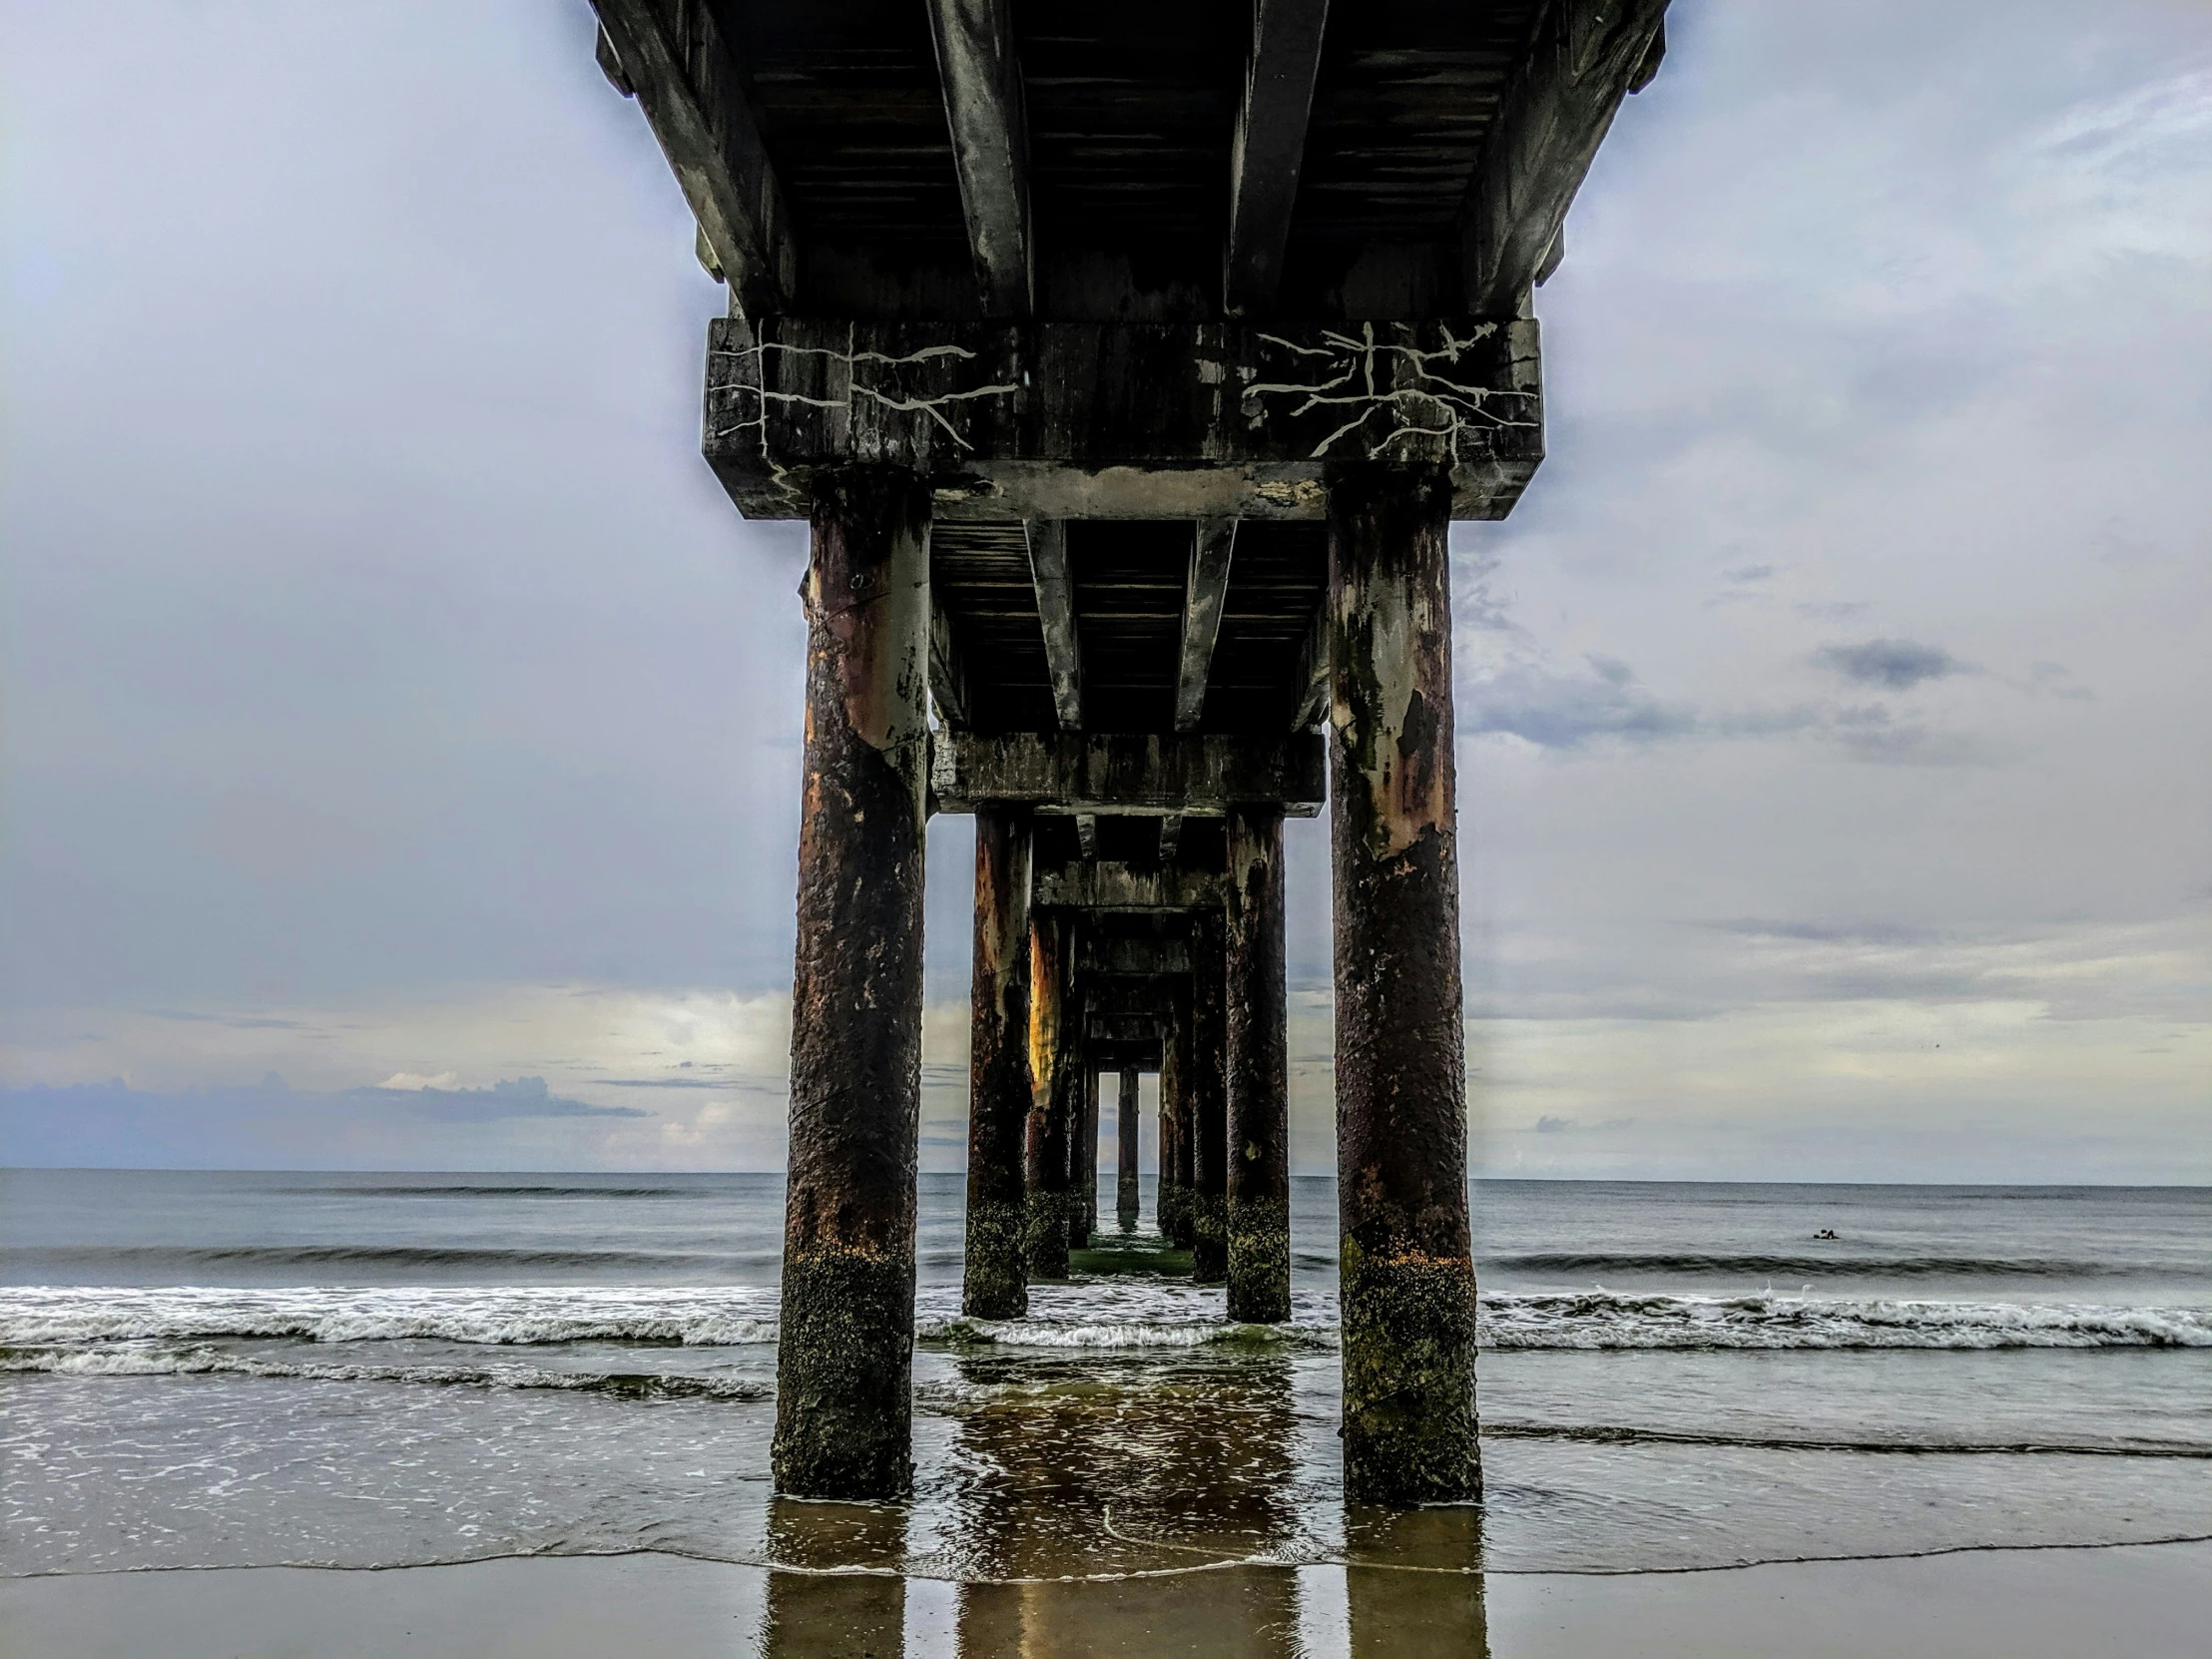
(234, 1022)
(1898, 665)
(520, 1097)
(1566, 710)
(271, 1125)
(664, 1083)
(1824, 933)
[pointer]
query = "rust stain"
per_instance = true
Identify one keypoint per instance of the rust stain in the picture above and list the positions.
(1044, 1012)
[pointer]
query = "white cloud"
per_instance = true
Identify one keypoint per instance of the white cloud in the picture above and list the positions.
(415, 1080)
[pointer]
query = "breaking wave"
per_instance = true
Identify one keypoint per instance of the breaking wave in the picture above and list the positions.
(142, 1359)
(718, 1318)
(1114, 1332)
(1821, 1266)
(1610, 1435)
(1062, 1317)
(1617, 1320)
(377, 1257)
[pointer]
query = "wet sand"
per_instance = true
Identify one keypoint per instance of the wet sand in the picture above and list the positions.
(2139, 1600)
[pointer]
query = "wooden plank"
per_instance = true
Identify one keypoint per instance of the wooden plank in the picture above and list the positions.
(1086, 834)
(1585, 56)
(672, 55)
(1171, 837)
(981, 77)
(1152, 420)
(1211, 546)
(1268, 146)
(1136, 772)
(1048, 569)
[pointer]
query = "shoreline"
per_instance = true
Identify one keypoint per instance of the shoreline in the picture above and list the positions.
(2047, 1602)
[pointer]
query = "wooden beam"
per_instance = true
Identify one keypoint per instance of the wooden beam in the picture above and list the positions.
(1204, 589)
(1143, 958)
(1086, 834)
(1313, 674)
(948, 682)
(1112, 1055)
(981, 77)
(1048, 569)
(1142, 773)
(1123, 994)
(1155, 420)
(673, 56)
(1586, 56)
(611, 66)
(1171, 837)
(1269, 144)
(1106, 884)
(1123, 1031)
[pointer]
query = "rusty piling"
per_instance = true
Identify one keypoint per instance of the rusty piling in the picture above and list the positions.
(1173, 1204)
(1207, 1098)
(1125, 1127)
(1259, 1186)
(1087, 1155)
(844, 1412)
(1408, 1275)
(1055, 1023)
(994, 1276)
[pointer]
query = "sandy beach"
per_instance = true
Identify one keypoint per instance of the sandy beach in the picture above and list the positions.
(2138, 1600)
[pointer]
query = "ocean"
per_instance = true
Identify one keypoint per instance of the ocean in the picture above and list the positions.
(209, 1370)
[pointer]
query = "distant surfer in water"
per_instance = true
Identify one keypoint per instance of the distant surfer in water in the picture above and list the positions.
(1825, 1232)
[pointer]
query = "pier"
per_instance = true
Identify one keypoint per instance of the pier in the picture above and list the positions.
(1130, 363)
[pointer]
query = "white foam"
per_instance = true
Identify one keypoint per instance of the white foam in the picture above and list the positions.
(1609, 1320)
(141, 1360)
(38, 1315)
(1080, 1316)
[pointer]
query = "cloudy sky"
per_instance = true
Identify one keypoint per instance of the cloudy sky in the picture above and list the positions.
(401, 743)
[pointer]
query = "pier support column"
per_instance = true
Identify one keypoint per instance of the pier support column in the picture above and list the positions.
(1084, 1166)
(1055, 1033)
(995, 1274)
(1207, 1098)
(1259, 1082)
(1125, 1126)
(1174, 1203)
(1401, 1116)
(843, 1407)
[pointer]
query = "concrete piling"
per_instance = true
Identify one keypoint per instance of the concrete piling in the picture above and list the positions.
(1205, 1095)
(1086, 1160)
(1408, 1275)
(1052, 1023)
(994, 1280)
(1125, 1124)
(1259, 1179)
(842, 1408)
(1175, 1166)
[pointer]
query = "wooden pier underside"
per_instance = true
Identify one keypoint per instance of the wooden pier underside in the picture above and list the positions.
(1183, 332)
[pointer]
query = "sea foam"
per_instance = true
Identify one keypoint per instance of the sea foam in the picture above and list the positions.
(1071, 1316)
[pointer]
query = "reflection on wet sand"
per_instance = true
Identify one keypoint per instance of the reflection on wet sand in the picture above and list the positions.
(848, 1597)
(1154, 1483)
(1414, 1582)
(1144, 1507)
